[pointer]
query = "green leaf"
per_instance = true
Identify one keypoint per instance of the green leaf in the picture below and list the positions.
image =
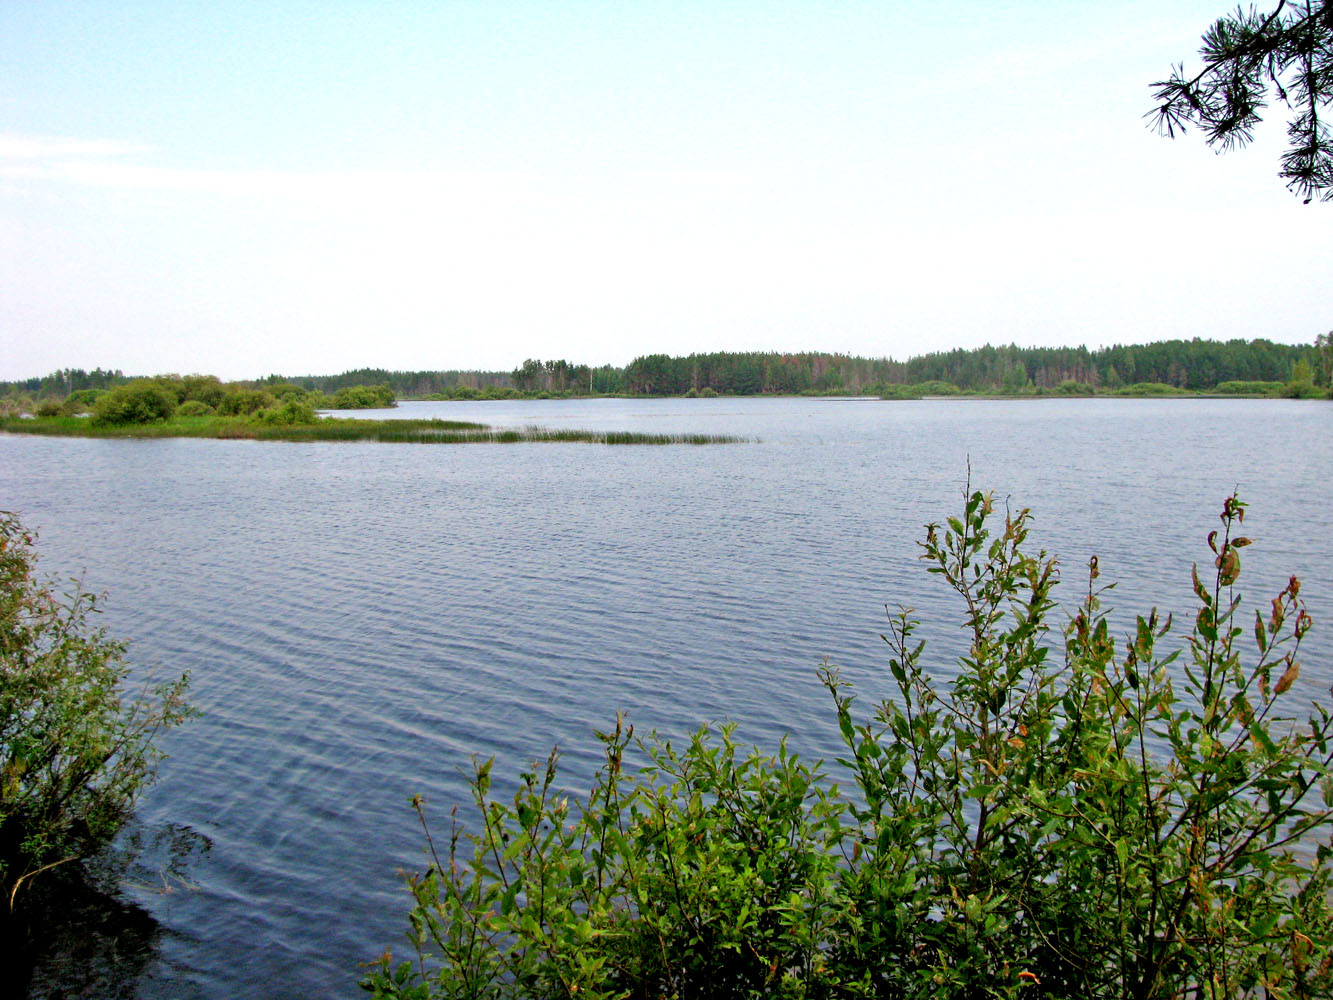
(1259, 733)
(1205, 626)
(845, 725)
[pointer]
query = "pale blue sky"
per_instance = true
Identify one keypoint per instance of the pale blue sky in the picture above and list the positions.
(246, 188)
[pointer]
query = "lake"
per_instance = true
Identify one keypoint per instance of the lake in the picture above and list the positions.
(360, 619)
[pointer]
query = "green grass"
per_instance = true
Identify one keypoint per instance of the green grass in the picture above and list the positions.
(389, 431)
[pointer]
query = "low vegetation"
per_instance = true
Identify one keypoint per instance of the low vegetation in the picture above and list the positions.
(1071, 815)
(364, 397)
(294, 421)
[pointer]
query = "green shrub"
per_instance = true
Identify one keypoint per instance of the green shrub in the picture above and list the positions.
(49, 408)
(1302, 390)
(1077, 817)
(899, 392)
(918, 389)
(282, 390)
(364, 397)
(206, 389)
(75, 747)
(140, 402)
(1149, 389)
(238, 402)
(194, 408)
(935, 388)
(1238, 387)
(1070, 387)
(81, 401)
(15, 404)
(294, 411)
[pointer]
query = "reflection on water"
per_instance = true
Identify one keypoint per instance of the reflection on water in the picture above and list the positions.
(360, 619)
(77, 933)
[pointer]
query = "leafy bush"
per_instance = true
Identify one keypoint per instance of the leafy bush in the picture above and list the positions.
(81, 401)
(206, 389)
(918, 389)
(935, 388)
(281, 390)
(295, 410)
(49, 408)
(1302, 390)
(1081, 818)
(75, 748)
(1239, 387)
(15, 404)
(899, 392)
(140, 402)
(1071, 387)
(364, 397)
(194, 408)
(1149, 389)
(238, 402)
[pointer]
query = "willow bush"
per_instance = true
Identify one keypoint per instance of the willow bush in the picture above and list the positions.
(76, 747)
(1074, 815)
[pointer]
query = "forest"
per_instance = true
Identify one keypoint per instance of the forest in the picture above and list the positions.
(1192, 365)
(1252, 367)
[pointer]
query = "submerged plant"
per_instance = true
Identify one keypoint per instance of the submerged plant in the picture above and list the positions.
(1070, 816)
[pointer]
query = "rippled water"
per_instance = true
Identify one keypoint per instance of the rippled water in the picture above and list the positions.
(359, 619)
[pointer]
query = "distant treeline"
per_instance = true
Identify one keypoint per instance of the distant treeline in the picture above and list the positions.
(416, 385)
(1197, 365)
(1190, 365)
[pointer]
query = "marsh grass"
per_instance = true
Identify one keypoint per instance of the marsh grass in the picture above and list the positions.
(387, 431)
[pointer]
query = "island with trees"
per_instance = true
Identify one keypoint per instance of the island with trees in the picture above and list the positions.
(202, 406)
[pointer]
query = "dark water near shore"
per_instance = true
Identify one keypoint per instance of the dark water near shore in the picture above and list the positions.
(361, 618)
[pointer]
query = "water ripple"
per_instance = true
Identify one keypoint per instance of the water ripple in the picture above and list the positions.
(361, 619)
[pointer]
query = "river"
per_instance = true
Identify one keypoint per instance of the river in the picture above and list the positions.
(360, 619)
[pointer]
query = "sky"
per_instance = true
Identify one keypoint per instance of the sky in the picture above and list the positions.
(305, 188)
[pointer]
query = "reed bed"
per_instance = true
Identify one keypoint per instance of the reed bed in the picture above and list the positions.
(387, 431)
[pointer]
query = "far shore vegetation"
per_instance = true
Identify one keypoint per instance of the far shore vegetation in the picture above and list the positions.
(1233, 369)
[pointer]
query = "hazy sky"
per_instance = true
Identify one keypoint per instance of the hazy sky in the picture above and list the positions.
(246, 188)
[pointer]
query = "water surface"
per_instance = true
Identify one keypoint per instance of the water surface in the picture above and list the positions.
(360, 619)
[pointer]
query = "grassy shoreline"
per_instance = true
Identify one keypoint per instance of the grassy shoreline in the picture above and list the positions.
(387, 431)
